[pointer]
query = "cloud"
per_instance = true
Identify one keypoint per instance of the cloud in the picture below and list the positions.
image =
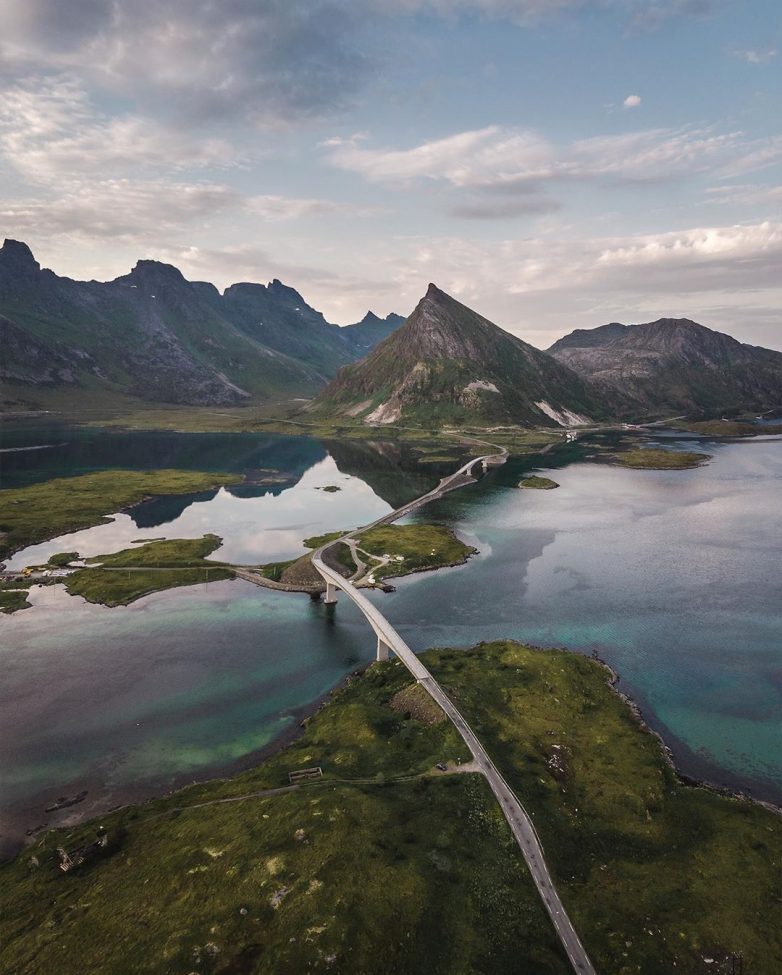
(508, 161)
(542, 287)
(649, 15)
(493, 209)
(269, 61)
(50, 131)
(671, 263)
(756, 57)
(691, 259)
(143, 211)
(272, 207)
(343, 295)
(274, 60)
(632, 101)
(119, 208)
(463, 159)
(745, 194)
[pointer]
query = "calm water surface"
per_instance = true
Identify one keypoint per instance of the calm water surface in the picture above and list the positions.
(674, 577)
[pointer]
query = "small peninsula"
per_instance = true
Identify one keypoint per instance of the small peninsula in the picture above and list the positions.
(123, 577)
(67, 504)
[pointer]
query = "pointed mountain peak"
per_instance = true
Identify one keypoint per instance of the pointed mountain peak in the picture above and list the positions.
(437, 294)
(448, 363)
(370, 319)
(16, 255)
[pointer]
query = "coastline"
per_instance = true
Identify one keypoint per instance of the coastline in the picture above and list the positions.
(14, 840)
(295, 728)
(689, 781)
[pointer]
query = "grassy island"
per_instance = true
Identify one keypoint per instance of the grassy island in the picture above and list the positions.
(40, 511)
(412, 548)
(537, 483)
(654, 459)
(147, 568)
(386, 551)
(306, 878)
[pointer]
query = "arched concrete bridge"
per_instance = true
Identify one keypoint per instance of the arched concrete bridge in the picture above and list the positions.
(389, 641)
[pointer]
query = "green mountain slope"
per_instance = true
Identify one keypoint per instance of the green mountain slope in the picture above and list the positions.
(449, 364)
(154, 335)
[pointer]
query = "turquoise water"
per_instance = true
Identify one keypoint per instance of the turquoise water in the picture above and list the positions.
(132, 701)
(673, 577)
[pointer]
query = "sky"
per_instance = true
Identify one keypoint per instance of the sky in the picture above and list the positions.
(554, 164)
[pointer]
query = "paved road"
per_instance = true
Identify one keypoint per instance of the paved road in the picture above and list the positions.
(518, 819)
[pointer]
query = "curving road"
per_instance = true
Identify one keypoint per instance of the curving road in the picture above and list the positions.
(518, 819)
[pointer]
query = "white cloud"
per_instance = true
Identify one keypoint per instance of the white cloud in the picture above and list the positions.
(503, 160)
(691, 257)
(49, 131)
(144, 210)
(272, 207)
(746, 194)
(274, 60)
(119, 208)
(632, 101)
(541, 288)
(757, 57)
(464, 159)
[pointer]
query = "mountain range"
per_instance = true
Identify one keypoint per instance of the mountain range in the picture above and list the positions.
(156, 336)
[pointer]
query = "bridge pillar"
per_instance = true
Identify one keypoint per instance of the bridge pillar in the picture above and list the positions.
(484, 465)
(331, 593)
(382, 650)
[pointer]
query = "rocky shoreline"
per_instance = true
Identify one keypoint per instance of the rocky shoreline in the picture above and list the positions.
(688, 780)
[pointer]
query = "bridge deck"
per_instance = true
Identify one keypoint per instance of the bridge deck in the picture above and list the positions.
(517, 817)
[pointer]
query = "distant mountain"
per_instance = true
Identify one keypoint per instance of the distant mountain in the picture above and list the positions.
(371, 330)
(154, 335)
(674, 364)
(449, 364)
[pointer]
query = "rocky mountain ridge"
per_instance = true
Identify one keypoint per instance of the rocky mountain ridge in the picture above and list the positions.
(674, 364)
(154, 335)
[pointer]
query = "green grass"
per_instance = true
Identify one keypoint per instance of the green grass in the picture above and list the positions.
(423, 547)
(538, 483)
(13, 596)
(61, 559)
(653, 872)
(315, 541)
(653, 459)
(42, 511)
(275, 570)
(383, 868)
(380, 876)
(729, 428)
(299, 570)
(169, 564)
